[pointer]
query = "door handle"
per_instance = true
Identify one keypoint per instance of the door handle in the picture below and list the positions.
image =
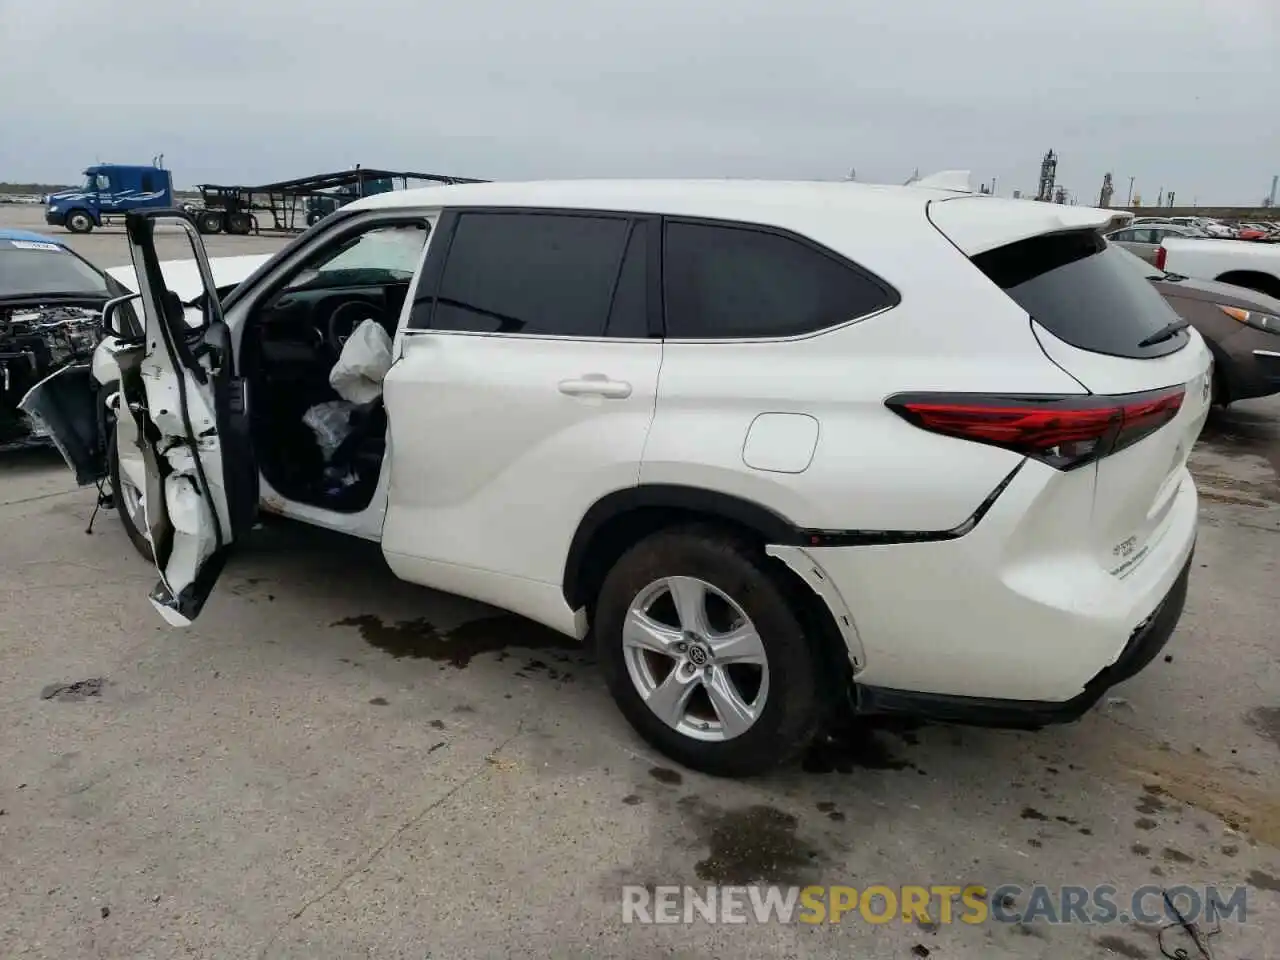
(596, 385)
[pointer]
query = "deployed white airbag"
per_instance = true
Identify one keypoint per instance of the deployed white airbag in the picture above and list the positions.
(365, 360)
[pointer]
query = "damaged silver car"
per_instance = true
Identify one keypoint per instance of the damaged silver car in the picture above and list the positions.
(51, 303)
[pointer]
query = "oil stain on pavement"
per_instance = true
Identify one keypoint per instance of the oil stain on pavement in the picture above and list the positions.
(857, 744)
(421, 639)
(1266, 720)
(73, 692)
(754, 844)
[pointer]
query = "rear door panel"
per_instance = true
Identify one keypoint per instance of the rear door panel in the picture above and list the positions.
(509, 420)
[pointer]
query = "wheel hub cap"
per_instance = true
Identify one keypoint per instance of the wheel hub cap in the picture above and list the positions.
(695, 658)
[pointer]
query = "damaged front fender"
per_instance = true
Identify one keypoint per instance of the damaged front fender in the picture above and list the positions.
(65, 407)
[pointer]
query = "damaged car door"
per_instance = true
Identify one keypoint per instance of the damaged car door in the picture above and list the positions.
(180, 388)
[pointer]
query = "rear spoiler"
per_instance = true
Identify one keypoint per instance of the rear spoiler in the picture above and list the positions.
(1120, 219)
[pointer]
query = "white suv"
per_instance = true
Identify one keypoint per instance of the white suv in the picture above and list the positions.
(777, 448)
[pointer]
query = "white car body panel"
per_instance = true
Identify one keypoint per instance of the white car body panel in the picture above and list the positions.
(979, 224)
(994, 576)
(1212, 259)
(180, 439)
(183, 276)
(499, 499)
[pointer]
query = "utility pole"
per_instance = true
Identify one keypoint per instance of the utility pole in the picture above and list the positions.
(1129, 202)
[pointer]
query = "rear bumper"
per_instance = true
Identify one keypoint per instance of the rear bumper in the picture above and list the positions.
(1018, 615)
(1145, 643)
(1266, 367)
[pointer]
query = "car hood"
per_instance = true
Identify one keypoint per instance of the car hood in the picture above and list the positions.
(1211, 291)
(183, 276)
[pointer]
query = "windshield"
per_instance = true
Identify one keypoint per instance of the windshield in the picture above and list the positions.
(382, 255)
(29, 268)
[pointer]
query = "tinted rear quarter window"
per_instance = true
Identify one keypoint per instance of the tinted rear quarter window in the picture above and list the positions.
(531, 273)
(743, 282)
(1084, 293)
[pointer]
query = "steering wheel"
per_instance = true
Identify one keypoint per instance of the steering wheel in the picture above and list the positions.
(344, 320)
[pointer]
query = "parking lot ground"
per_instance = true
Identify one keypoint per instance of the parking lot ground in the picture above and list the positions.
(108, 247)
(332, 763)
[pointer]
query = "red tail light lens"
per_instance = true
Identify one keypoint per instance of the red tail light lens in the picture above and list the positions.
(1064, 432)
(1161, 254)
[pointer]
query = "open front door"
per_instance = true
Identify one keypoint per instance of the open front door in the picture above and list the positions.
(190, 410)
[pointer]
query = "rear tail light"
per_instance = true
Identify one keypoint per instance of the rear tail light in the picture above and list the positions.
(1064, 432)
(1161, 254)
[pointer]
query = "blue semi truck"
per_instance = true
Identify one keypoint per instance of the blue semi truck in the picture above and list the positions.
(109, 191)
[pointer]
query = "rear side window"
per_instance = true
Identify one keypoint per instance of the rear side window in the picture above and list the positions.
(531, 273)
(1083, 292)
(739, 282)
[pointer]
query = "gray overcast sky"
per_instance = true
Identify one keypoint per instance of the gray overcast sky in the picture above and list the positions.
(1183, 94)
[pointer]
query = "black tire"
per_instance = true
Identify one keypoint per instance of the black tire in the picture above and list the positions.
(209, 221)
(136, 536)
(793, 708)
(79, 221)
(239, 224)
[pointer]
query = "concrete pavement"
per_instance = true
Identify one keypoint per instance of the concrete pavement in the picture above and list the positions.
(332, 763)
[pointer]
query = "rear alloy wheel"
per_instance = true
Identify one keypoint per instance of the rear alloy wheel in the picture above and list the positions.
(79, 222)
(705, 656)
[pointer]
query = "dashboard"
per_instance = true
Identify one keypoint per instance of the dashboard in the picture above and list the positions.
(310, 325)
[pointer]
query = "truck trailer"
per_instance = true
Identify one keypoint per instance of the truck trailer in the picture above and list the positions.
(292, 205)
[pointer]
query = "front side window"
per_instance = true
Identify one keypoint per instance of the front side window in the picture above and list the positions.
(738, 282)
(540, 274)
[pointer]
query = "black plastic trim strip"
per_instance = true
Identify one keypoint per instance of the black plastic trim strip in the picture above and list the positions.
(770, 526)
(871, 538)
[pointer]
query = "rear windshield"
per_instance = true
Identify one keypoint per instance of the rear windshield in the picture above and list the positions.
(1081, 290)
